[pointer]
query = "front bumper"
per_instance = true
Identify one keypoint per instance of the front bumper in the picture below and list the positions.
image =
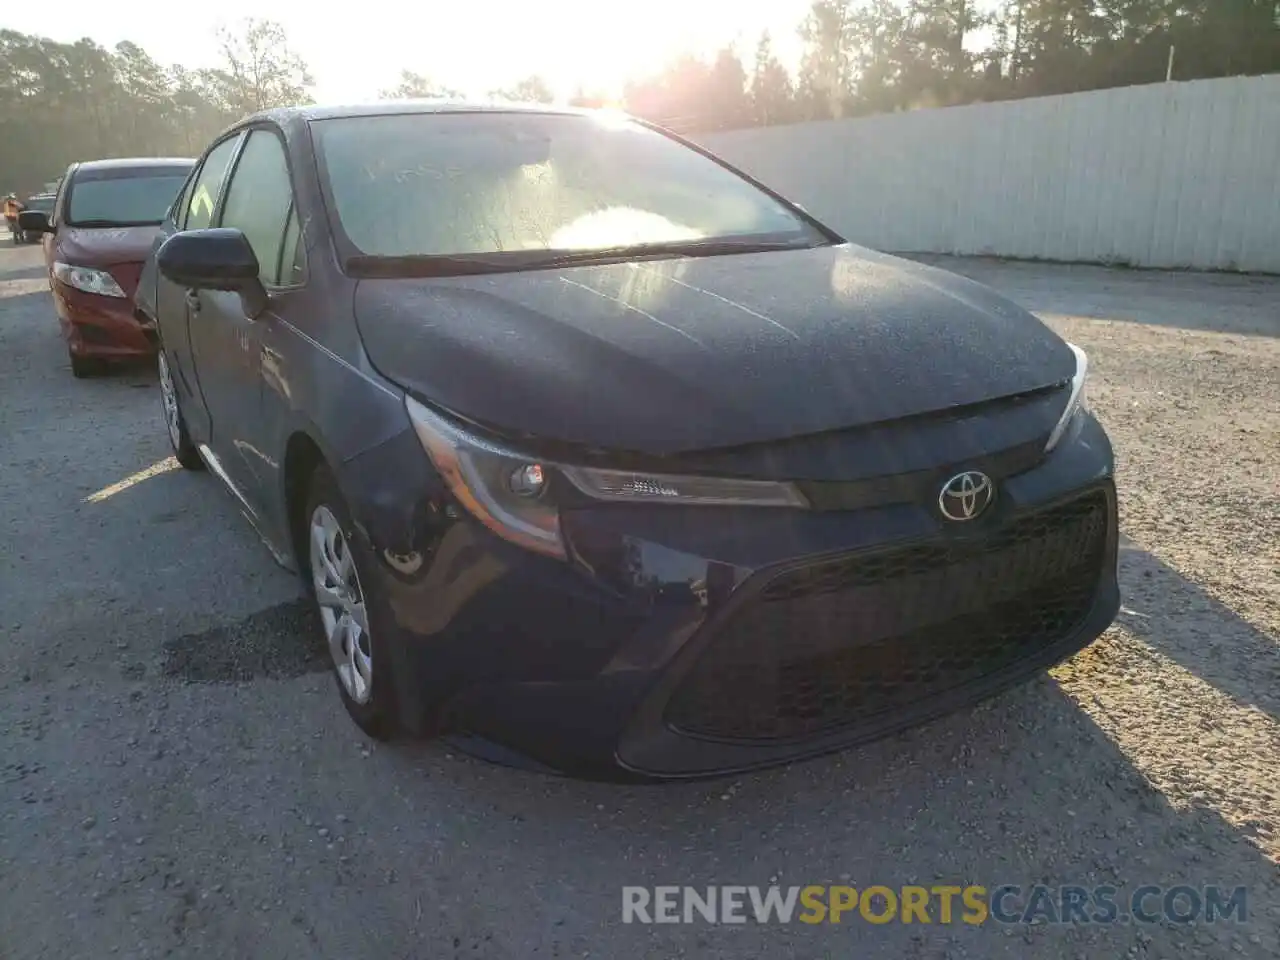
(98, 326)
(582, 667)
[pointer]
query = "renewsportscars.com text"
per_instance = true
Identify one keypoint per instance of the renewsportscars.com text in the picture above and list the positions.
(941, 904)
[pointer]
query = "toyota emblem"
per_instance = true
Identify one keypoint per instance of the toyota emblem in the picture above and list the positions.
(966, 495)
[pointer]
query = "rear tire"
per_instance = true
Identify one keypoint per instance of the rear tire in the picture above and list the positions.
(337, 565)
(184, 451)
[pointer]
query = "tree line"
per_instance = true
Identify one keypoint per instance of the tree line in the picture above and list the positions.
(877, 56)
(62, 102)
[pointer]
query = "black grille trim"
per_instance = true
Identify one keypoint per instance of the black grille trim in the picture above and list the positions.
(921, 486)
(843, 641)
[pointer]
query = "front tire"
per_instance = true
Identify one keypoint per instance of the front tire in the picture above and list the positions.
(338, 562)
(84, 367)
(184, 451)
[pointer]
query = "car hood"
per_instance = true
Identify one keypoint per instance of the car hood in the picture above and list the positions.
(670, 356)
(105, 246)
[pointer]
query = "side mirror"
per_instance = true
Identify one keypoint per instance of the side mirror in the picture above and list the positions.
(218, 258)
(34, 221)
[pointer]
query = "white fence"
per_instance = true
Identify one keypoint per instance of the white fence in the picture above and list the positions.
(1167, 175)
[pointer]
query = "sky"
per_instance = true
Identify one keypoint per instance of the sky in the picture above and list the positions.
(354, 50)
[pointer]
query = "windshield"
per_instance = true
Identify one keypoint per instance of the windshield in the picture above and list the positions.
(505, 185)
(123, 197)
(41, 204)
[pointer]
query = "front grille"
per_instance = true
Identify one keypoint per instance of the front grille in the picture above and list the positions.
(839, 642)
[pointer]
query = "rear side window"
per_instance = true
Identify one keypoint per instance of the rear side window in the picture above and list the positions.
(204, 193)
(259, 200)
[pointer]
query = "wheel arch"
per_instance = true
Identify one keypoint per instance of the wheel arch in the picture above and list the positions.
(303, 454)
(304, 447)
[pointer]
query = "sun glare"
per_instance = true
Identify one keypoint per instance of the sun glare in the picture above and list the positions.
(574, 45)
(619, 226)
(612, 117)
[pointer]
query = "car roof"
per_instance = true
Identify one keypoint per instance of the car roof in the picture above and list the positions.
(124, 163)
(311, 112)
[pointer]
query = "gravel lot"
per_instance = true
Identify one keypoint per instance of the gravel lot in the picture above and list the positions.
(177, 776)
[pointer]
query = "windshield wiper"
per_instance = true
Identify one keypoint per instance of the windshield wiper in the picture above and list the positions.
(682, 248)
(512, 261)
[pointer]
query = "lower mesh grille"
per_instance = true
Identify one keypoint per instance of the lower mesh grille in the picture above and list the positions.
(839, 642)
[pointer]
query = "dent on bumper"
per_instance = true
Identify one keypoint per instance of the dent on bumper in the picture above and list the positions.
(573, 664)
(100, 326)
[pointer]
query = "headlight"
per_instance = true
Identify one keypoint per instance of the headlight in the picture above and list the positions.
(508, 491)
(499, 487)
(1076, 402)
(87, 279)
(625, 486)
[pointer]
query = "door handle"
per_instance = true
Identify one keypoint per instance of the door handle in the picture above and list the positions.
(193, 301)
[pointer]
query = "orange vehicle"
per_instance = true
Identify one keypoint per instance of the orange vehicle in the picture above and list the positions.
(11, 210)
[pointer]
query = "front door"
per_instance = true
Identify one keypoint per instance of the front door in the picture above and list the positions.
(226, 341)
(227, 345)
(194, 210)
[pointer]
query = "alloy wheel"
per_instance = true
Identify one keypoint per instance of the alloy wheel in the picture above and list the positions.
(342, 604)
(169, 399)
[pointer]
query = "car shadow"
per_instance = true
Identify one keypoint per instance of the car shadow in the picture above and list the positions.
(1182, 621)
(137, 372)
(1024, 789)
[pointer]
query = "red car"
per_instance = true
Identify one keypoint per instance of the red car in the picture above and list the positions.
(104, 222)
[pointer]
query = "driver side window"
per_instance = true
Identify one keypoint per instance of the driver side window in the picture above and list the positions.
(203, 195)
(259, 202)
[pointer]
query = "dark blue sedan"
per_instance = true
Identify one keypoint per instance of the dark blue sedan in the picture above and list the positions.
(600, 454)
